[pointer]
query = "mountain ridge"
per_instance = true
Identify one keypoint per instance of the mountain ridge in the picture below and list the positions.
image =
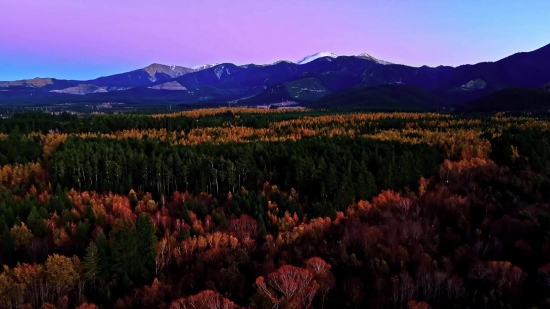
(324, 73)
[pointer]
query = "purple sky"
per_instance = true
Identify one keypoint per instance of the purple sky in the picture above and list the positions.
(81, 39)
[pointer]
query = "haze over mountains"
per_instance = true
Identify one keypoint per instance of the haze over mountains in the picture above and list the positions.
(307, 80)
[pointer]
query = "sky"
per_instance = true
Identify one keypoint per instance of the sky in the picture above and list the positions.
(85, 39)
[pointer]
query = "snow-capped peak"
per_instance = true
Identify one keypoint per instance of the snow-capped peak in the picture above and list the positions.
(316, 56)
(369, 57)
(204, 67)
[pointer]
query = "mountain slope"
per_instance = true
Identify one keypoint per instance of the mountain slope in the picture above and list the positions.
(510, 99)
(82, 89)
(320, 77)
(334, 73)
(526, 70)
(381, 97)
(173, 85)
(301, 90)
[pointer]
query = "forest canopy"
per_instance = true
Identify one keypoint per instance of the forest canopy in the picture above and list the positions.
(249, 208)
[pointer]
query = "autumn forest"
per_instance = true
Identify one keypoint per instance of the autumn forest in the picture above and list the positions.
(252, 208)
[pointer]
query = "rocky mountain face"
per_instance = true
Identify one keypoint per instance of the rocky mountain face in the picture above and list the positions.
(309, 79)
(173, 85)
(154, 73)
(82, 89)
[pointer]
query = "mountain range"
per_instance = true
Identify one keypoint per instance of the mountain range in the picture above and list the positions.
(308, 80)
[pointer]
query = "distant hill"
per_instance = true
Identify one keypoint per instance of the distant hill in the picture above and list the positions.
(510, 99)
(41, 84)
(382, 98)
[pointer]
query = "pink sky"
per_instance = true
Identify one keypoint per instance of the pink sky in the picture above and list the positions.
(88, 38)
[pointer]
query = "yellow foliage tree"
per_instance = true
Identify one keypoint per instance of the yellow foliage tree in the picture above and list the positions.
(61, 273)
(22, 236)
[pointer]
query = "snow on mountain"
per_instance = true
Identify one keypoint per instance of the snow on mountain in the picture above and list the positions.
(302, 61)
(331, 55)
(369, 57)
(316, 56)
(204, 67)
(281, 61)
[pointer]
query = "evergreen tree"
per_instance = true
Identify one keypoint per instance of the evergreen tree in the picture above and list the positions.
(82, 232)
(8, 243)
(370, 183)
(89, 215)
(361, 187)
(146, 241)
(33, 219)
(103, 256)
(91, 262)
(58, 191)
(40, 229)
(125, 257)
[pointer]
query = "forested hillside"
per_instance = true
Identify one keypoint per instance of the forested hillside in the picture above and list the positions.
(248, 208)
(511, 99)
(387, 98)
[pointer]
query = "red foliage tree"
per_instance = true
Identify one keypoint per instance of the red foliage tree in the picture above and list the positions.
(244, 227)
(323, 276)
(206, 299)
(289, 285)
